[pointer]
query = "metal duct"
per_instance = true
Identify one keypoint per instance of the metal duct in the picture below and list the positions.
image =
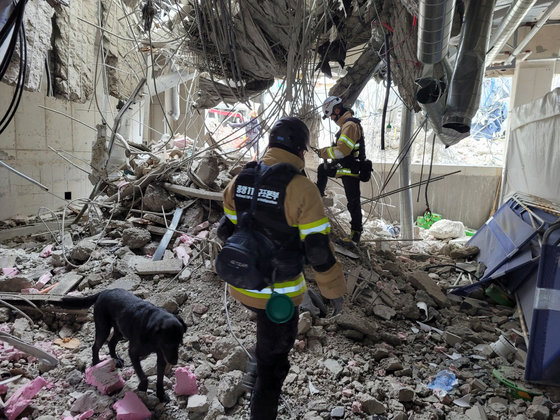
(508, 25)
(542, 20)
(466, 83)
(435, 18)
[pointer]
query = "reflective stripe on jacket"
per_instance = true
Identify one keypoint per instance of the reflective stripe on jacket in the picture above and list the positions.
(347, 144)
(303, 208)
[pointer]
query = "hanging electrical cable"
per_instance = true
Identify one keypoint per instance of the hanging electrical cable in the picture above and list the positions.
(388, 87)
(12, 32)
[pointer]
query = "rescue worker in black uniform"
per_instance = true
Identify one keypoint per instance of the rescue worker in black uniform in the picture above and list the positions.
(345, 156)
(289, 211)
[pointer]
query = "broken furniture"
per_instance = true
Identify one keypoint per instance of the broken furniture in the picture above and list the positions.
(519, 245)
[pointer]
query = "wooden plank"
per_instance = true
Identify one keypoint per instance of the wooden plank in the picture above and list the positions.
(158, 255)
(193, 192)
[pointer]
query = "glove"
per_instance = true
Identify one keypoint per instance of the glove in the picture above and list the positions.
(337, 305)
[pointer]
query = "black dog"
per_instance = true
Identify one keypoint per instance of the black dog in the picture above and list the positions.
(148, 328)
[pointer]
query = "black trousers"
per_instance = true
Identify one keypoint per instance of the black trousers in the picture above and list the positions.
(274, 342)
(351, 189)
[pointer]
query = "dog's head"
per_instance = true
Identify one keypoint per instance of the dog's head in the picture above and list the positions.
(169, 335)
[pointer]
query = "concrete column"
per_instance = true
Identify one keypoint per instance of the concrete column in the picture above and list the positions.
(405, 197)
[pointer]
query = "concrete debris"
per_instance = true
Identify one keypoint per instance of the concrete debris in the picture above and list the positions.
(230, 388)
(135, 238)
(82, 250)
(157, 198)
(143, 266)
(373, 360)
(447, 229)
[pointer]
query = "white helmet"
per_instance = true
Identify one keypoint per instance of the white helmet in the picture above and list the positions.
(329, 105)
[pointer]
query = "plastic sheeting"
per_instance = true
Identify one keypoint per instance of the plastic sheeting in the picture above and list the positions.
(533, 152)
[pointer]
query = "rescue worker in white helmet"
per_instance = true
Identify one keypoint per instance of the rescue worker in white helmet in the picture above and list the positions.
(290, 213)
(345, 156)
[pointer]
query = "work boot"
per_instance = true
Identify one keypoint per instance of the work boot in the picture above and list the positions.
(250, 377)
(351, 242)
(355, 236)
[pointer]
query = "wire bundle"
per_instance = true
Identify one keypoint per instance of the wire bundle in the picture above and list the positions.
(12, 31)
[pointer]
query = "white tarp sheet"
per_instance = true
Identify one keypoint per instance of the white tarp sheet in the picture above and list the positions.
(533, 151)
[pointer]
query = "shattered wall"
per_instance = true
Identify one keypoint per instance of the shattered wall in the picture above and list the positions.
(38, 30)
(125, 65)
(74, 50)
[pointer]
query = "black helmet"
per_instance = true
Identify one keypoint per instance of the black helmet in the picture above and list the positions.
(289, 133)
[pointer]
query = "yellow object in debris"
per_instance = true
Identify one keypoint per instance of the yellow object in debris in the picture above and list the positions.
(68, 343)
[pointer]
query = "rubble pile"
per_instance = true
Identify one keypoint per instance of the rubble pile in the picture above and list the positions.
(402, 348)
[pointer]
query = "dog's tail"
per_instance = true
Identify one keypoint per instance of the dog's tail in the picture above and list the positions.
(75, 302)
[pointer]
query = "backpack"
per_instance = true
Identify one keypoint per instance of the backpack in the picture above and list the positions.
(249, 259)
(365, 166)
(244, 260)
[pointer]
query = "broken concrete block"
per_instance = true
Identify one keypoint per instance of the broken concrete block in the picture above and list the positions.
(198, 404)
(333, 367)
(305, 323)
(371, 406)
(90, 400)
(104, 377)
(208, 169)
(66, 283)
(406, 395)
(185, 382)
(15, 283)
(83, 416)
(22, 398)
(230, 388)
(157, 197)
(476, 413)
(538, 412)
(135, 237)
(57, 259)
(337, 412)
(421, 280)
(131, 408)
(235, 361)
(82, 251)
(143, 266)
(451, 339)
(193, 216)
(463, 253)
(384, 312)
(355, 322)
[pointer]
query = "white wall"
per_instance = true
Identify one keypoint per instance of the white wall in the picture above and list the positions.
(23, 146)
(532, 80)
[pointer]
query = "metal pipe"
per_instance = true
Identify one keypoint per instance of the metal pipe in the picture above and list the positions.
(405, 197)
(538, 25)
(465, 87)
(435, 18)
(508, 25)
(175, 103)
(23, 176)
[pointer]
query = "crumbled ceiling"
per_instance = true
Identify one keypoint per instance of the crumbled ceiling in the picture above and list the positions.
(239, 47)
